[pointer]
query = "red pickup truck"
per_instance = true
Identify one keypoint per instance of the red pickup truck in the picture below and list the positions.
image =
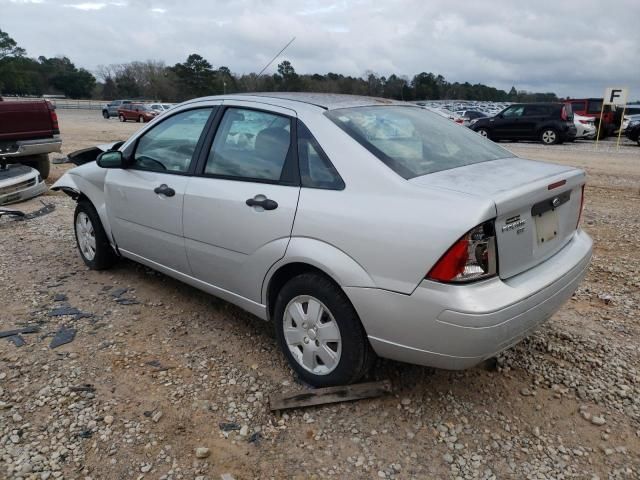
(28, 133)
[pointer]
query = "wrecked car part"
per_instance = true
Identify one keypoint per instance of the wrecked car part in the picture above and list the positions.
(63, 336)
(86, 155)
(17, 340)
(229, 427)
(19, 182)
(10, 212)
(20, 215)
(11, 333)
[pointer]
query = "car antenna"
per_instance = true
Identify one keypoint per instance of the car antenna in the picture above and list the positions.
(273, 59)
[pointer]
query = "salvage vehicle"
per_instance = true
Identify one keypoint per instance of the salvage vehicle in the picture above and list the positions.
(550, 123)
(29, 131)
(111, 109)
(359, 226)
(633, 131)
(585, 127)
(139, 112)
(19, 182)
(592, 107)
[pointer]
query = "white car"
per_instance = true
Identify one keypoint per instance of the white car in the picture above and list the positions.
(585, 127)
(19, 182)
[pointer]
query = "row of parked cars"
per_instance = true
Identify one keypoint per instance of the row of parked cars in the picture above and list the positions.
(131, 110)
(550, 123)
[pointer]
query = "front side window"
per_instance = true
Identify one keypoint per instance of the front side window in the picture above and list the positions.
(513, 112)
(169, 146)
(413, 141)
(250, 144)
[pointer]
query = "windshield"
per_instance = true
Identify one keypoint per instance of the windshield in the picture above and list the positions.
(413, 141)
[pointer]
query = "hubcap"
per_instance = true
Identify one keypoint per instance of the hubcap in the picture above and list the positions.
(86, 236)
(549, 136)
(312, 335)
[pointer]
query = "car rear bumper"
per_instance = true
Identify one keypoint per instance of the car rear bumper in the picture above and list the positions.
(24, 148)
(458, 326)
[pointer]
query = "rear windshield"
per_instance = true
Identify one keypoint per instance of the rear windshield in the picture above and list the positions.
(413, 141)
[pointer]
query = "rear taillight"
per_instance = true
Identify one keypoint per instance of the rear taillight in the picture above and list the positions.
(563, 114)
(459, 120)
(581, 207)
(473, 257)
(54, 119)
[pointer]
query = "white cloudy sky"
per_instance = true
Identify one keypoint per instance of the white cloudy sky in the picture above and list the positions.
(572, 47)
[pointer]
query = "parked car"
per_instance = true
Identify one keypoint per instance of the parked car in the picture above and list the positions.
(470, 116)
(290, 206)
(550, 123)
(627, 119)
(585, 127)
(444, 113)
(633, 131)
(111, 109)
(29, 132)
(139, 112)
(19, 182)
(592, 107)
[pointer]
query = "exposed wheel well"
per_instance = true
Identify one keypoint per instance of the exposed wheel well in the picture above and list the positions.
(283, 275)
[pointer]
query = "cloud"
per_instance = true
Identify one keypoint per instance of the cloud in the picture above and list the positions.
(571, 47)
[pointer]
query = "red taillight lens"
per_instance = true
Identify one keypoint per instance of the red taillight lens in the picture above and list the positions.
(473, 257)
(581, 207)
(54, 119)
(563, 114)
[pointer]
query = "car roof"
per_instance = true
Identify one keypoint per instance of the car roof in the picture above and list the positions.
(326, 101)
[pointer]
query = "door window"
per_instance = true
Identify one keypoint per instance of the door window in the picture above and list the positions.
(316, 171)
(169, 146)
(513, 112)
(250, 144)
(536, 111)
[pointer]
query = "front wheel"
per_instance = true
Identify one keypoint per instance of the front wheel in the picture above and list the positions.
(121, 117)
(320, 333)
(105, 114)
(92, 241)
(484, 132)
(549, 136)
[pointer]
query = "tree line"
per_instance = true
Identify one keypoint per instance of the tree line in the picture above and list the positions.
(196, 77)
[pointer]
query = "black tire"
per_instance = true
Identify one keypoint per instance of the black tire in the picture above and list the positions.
(484, 132)
(105, 114)
(40, 163)
(549, 136)
(121, 117)
(356, 355)
(104, 256)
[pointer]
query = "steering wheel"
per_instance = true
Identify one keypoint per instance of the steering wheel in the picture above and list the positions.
(144, 158)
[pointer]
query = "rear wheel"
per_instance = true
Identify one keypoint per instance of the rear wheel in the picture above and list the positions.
(92, 241)
(40, 163)
(121, 117)
(484, 132)
(549, 136)
(105, 114)
(320, 333)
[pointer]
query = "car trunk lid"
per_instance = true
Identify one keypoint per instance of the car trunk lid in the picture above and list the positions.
(537, 205)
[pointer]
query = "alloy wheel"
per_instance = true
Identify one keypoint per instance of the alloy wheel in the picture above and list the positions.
(312, 335)
(86, 236)
(549, 137)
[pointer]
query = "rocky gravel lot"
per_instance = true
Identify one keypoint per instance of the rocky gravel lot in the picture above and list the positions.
(162, 381)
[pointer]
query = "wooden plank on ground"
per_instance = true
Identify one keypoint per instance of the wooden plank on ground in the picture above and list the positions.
(321, 396)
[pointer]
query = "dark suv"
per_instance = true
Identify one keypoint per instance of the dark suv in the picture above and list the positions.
(548, 122)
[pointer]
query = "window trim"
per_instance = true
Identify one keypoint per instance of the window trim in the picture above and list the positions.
(321, 153)
(290, 169)
(130, 155)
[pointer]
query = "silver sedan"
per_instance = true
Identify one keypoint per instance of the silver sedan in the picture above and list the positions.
(359, 226)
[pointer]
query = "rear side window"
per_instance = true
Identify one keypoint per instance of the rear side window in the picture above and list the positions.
(316, 170)
(577, 106)
(251, 145)
(413, 141)
(536, 110)
(169, 146)
(594, 106)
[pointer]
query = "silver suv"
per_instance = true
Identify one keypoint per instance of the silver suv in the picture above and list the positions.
(357, 225)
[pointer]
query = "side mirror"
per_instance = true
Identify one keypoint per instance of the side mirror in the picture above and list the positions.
(500, 115)
(111, 159)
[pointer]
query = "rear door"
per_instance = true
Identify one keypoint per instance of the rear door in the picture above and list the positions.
(144, 202)
(532, 120)
(239, 208)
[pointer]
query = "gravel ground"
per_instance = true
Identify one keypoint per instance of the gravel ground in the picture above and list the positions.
(165, 382)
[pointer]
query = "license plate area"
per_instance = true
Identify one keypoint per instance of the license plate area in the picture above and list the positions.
(547, 226)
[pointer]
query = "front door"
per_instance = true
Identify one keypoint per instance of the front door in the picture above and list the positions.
(239, 210)
(144, 202)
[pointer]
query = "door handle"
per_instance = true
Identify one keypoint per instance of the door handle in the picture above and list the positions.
(165, 190)
(262, 201)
